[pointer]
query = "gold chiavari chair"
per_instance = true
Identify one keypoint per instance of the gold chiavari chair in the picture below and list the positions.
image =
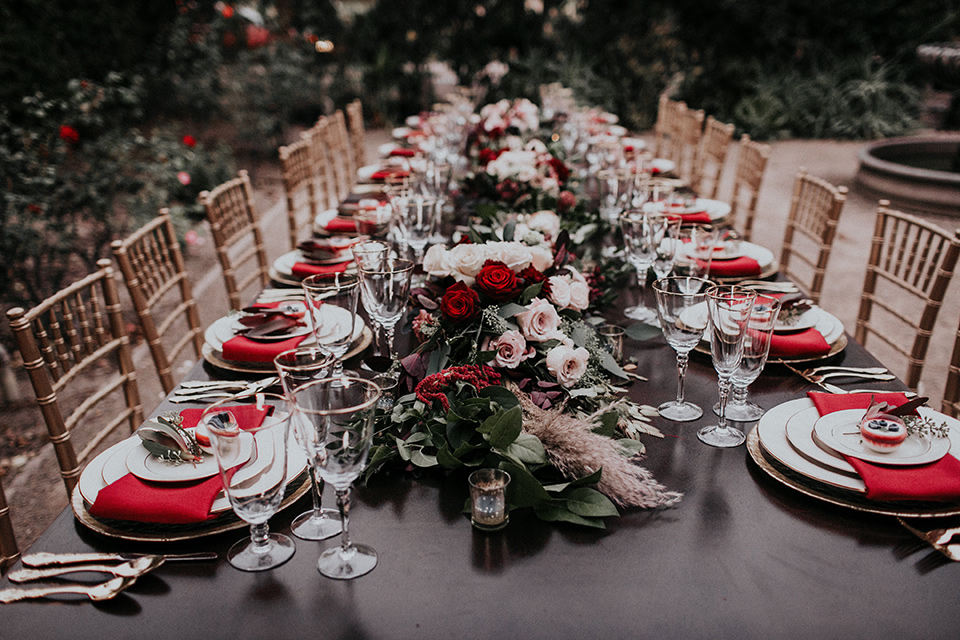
(298, 184)
(667, 130)
(751, 165)
(689, 133)
(910, 266)
(77, 330)
(237, 236)
(153, 268)
(9, 551)
(812, 224)
(324, 177)
(357, 133)
(951, 392)
(338, 149)
(711, 157)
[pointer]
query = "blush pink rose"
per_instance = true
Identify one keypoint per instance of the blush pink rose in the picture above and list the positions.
(567, 364)
(511, 349)
(559, 291)
(540, 322)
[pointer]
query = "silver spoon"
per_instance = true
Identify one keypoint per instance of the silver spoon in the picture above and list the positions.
(132, 569)
(98, 592)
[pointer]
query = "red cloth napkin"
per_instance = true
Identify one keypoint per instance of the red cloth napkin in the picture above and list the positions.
(341, 225)
(383, 174)
(304, 269)
(809, 342)
(243, 349)
(742, 266)
(131, 498)
(404, 153)
(937, 481)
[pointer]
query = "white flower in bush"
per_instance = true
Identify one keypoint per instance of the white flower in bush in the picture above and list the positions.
(465, 261)
(545, 221)
(567, 364)
(541, 258)
(515, 255)
(559, 291)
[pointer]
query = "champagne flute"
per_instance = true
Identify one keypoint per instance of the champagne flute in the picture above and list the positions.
(756, 348)
(254, 484)
(642, 234)
(371, 254)
(387, 287)
(336, 421)
(297, 367)
(332, 305)
(729, 311)
(682, 308)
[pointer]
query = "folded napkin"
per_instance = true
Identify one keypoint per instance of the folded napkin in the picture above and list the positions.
(304, 269)
(243, 349)
(742, 266)
(809, 342)
(341, 225)
(403, 153)
(383, 174)
(937, 481)
(697, 217)
(131, 498)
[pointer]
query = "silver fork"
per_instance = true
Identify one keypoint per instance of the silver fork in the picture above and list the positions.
(939, 539)
(832, 388)
(821, 377)
(826, 368)
(204, 395)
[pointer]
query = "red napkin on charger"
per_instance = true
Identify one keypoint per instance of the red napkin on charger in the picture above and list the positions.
(808, 342)
(243, 349)
(742, 266)
(936, 481)
(383, 174)
(403, 153)
(697, 217)
(304, 269)
(341, 225)
(131, 498)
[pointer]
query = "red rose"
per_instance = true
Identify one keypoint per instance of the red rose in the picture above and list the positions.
(69, 134)
(227, 11)
(497, 280)
(532, 275)
(190, 141)
(567, 201)
(509, 190)
(487, 156)
(459, 303)
(562, 171)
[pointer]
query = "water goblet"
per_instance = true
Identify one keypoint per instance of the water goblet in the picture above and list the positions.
(374, 222)
(642, 234)
(331, 300)
(696, 250)
(387, 287)
(729, 312)
(665, 253)
(756, 348)
(436, 184)
(615, 189)
(416, 217)
(254, 484)
(297, 367)
(336, 422)
(682, 308)
(371, 253)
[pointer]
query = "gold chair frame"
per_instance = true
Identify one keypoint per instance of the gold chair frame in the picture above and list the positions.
(298, 185)
(815, 209)
(748, 178)
(711, 157)
(59, 340)
(357, 133)
(918, 258)
(233, 220)
(152, 266)
(9, 550)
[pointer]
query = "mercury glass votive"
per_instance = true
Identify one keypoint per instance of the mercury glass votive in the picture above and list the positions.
(611, 336)
(488, 498)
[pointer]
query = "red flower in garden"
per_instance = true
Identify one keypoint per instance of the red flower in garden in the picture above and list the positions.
(567, 201)
(497, 280)
(562, 171)
(69, 134)
(227, 11)
(532, 275)
(486, 156)
(190, 141)
(459, 303)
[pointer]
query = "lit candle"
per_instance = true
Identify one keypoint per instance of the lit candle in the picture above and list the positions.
(488, 494)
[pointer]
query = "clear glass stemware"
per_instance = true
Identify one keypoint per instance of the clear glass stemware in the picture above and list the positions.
(336, 421)
(417, 220)
(682, 308)
(332, 305)
(729, 311)
(387, 287)
(254, 484)
(297, 367)
(643, 232)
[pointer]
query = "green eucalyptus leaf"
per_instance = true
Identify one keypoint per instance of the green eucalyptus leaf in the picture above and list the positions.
(579, 336)
(608, 424)
(528, 449)
(530, 293)
(403, 449)
(446, 459)
(419, 458)
(633, 447)
(590, 503)
(524, 489)
(611, 365)
(507, 428)
(508, 231)
(592, 478)
(501, 395)
(510, 309)
(642, 331)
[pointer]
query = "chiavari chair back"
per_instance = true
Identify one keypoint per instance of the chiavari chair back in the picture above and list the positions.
(711, 157)
(338, 151)
(951, 392)
(668, 128)
(9, 551)
(76, 331)
(299, 186)
(815, 209)
(357, 133)
(321, 165)
(686, 151)
(154, 271)
(237, 236)
(751, 166)
(910, 266)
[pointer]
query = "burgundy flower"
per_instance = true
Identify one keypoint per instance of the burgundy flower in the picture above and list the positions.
(497, 280)
(69, 134)
(508, 190)
(562, 171)
(532, 275)
(567, 201)
(190, 141)
(459, 303)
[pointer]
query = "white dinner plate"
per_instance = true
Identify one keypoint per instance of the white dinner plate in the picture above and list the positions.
(146, 466)
(224, 328)
(799, 431)
(716, 209)
(284, 264)
(805, 320)
(840, 431)
(238, 326)
(663, 165)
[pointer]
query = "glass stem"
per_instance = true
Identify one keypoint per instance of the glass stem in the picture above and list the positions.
(642, 282)
(724, 390)
(316, 490)
(260, 537)
(739, 395)
(390, 331)
(377, 338)
(343, 504)
(682, 359)
(337, 369)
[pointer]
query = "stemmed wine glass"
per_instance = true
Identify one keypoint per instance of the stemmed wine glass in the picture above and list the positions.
(615, 187)
(436, 184)
(386, 287)
(695, 254)
(729, 310)
(756, 348)
(254, 484)
(665, 253)
(642, 234)
(371, 254)
(332, 305)
(417, 220)
(297, 367)
(682, 308)
(336, 422)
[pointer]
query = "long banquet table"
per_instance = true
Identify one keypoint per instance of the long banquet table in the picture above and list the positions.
(741, 556)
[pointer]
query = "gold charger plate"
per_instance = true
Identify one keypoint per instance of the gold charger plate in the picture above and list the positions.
(842, 497)
(149, 532)
(361, 343)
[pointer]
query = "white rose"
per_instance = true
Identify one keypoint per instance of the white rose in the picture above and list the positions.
(465, 262)
(435, 261)
(559, 287)
(515, 255)
(511, 349)
(546, 221)
(536, 146)
(567, 364)
(579, 295)
(540, 322)
(541, 258)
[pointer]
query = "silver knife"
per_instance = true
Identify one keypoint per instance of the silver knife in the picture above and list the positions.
(44, 559)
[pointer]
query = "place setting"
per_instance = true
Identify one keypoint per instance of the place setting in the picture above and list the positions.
(318, 255)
